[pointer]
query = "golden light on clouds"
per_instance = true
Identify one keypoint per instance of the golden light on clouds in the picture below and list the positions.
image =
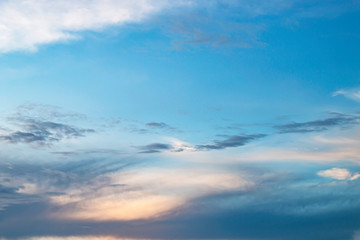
(149, 193)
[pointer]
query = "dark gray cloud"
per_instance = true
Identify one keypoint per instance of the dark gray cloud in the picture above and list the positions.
(155, 148)
(43, 132)
(230, 141)
(337, 120)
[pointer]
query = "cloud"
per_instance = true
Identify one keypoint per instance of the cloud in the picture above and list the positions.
(155, 147)
(45, 112)
(335, 173)
(355, 176)
(338, 119)
(89, 152)
(103, 190)
(85, 237)
(43, 132)
(353, 94)
(143, 193)
(209, 203)
(158, 125)
(240, 23)
(230, 141)
(37, 123)
(27, 182)
(179, 146)
(11, 195)
(24, 25)
(338, 174)
(151, 128)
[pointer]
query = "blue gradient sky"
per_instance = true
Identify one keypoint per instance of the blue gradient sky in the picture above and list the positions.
(179, 119)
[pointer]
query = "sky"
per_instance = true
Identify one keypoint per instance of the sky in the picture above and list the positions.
(182, 119)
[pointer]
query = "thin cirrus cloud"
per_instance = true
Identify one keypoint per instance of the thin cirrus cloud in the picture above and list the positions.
(41, 124)
(353, 94)
(24, 25)
(42, 132)
(153, 127)
(231, 141)
(340, 120)
(161, 126)
(155, 148)
(158, 125)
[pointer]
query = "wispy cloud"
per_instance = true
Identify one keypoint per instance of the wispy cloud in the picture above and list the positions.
(160, 125)
(151, 127)
(45, 112)
(89, 152)
(338, 119)
(34, 123)
(230, 141)
(240, 24)
(43, 132)
(353, 94)
(178, 146)
(155, 148)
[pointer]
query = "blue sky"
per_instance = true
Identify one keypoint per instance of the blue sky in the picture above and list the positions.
(179, 119)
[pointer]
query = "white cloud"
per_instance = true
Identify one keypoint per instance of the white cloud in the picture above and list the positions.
(355, 176)
(26, 24)
(335, 173)
(339, 174)
(353, 94)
